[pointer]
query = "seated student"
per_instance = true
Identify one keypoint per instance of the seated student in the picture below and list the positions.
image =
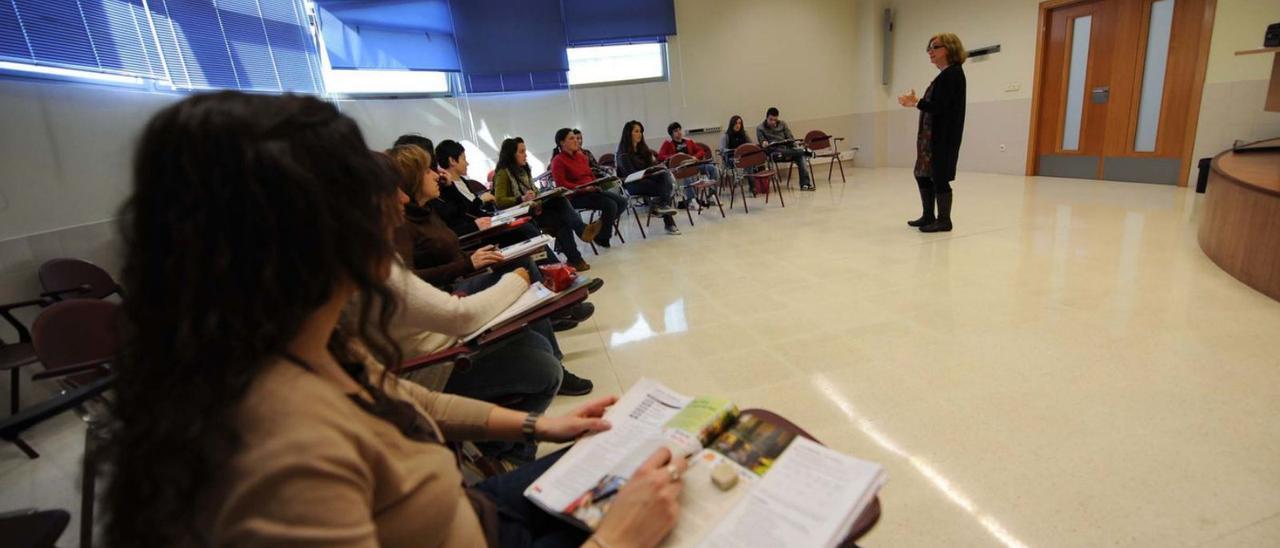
(456, 193)
(464, 208)
(416, 140)
(773, 130)
(513, 185)
(678, 144)
(522, 367)
(571, 169)
(432, 251)
(251, 410)
(634, 155)
(735, 135)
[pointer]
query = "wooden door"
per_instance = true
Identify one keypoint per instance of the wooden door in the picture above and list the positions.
(1124, 105)
(1075, 89)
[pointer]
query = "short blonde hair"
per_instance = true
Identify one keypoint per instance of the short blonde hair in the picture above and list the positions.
(411, 163)
(956, 54)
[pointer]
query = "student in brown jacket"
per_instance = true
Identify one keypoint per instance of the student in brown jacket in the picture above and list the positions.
(249, 409)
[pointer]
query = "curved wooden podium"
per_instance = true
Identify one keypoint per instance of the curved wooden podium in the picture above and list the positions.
(1240, 229)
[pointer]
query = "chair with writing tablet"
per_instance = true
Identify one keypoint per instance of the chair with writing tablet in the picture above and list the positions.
(824, 146)
(681, 168)
(754, 163)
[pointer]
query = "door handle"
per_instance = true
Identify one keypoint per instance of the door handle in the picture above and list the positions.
(1100, 94)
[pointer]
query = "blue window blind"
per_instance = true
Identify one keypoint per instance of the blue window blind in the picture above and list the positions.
(509, 47)
(259, 45)
(99, 35)
(389, 34)
(612, 22)
(515, 82)
(255, 45)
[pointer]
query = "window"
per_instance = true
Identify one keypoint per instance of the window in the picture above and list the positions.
(385, 82)
(254, 45)
(617, 64)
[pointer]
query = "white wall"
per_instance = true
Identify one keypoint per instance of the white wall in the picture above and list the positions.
(730, 57)
(1231, 107)
(1236, 85)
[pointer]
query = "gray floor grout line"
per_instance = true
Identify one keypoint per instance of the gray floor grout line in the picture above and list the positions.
(1239, 529)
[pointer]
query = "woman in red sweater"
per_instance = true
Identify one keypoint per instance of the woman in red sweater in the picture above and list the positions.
(571, 169)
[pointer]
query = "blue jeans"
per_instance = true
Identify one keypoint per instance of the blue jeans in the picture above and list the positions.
(795, 156)
(520, 372)
(708, 171)
(521, 523)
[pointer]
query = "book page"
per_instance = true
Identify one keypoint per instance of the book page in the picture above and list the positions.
(637, 421)
(535, 295)
(517, 249)
(805, 500)
(511, 212)
(702, 504)
(700, 422)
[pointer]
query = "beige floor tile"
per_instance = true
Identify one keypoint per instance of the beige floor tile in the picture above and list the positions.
(1066, 368)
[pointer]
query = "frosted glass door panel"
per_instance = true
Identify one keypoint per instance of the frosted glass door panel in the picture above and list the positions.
(1079, 68)
(1157, 58)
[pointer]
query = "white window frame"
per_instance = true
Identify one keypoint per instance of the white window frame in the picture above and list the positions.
(637, 78)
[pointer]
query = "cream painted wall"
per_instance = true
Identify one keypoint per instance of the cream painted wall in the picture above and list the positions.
(1231, 107)
(730, 57)
(1240, 25)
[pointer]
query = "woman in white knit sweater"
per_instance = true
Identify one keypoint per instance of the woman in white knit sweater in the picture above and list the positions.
(523, 365)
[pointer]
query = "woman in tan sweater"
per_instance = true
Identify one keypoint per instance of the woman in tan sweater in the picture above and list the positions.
(249, 408)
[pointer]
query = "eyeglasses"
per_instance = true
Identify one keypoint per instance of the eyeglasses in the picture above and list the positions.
(933, 47)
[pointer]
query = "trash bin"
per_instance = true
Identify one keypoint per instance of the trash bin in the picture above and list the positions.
(1202, 179)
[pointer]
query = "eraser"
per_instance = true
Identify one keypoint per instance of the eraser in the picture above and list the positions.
(724, 476)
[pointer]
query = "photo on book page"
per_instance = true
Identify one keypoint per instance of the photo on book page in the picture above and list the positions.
(752, 443)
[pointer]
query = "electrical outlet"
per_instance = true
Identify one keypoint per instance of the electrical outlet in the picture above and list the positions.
(1013, 86)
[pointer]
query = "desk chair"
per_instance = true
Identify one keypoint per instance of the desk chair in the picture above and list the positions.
(701, 187)
(823, 146)
(755, 165)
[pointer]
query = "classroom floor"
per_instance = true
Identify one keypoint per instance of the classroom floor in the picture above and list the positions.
(1066, 368)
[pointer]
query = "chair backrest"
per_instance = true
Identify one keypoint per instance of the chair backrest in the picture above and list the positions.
(489, 178)
(817, 140)
(68, 274)
(749, 155)
(706, 150)
(75, 332)
(608, 160)
(685, 172)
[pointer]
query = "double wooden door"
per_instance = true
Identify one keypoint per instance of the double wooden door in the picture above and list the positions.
(1119, 85)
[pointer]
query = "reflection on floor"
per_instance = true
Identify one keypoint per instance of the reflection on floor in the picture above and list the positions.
(1066, 368)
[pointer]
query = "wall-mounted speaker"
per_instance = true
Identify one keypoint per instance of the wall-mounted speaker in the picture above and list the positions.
(979, 52)
(886, 66)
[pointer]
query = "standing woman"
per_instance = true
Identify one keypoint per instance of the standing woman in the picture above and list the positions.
(941, 127)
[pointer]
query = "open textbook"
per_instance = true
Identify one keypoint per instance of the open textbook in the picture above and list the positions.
(791, 491)
(520, 249)
(511, 213)
(637, 175)
(533, 297)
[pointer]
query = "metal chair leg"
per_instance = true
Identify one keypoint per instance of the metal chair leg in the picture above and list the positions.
(14, 404)
(88, 491)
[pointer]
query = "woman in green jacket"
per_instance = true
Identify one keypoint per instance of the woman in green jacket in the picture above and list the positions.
(513, 184)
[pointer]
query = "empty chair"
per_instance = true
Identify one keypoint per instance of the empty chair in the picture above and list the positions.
(824, 146)
(15, 355)
(754, 163)
(76, 279)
